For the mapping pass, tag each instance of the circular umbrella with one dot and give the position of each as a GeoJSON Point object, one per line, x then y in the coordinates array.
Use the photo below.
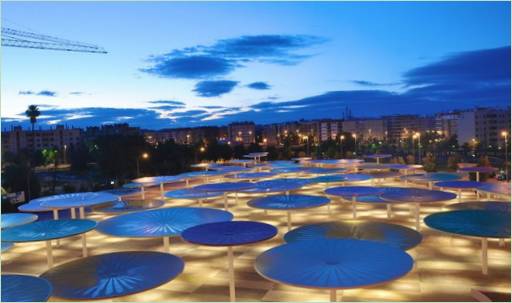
{"type": "Point", "coordinates": [113, 275]}
{"type": "Point", "coordinates": [24, 288]}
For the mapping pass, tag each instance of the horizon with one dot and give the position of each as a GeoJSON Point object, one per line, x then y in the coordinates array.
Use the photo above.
{"type": "Point", "coordinates": [304, 62]}
{"type": "Point", "coordinates": [27, 126]}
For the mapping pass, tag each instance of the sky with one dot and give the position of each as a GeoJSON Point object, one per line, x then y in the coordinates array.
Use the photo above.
{"type": "Point", "coordinates": [186, 64]}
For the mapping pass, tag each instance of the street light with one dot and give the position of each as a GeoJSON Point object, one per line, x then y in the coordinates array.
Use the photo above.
{"type": "Point", "coordinates": [342, 137]}
{"type": "Point", "coordinates": [144, 156]}
{"type": "Point", "coordinates": [504, 134]}
{"type": "Point", "coordinates": [418, 135]}
{"type": "Point", "coordinates": [355, 142]}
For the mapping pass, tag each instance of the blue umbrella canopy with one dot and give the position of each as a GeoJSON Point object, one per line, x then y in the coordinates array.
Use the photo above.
{"type": "Point", "coordinates": [333, 264]}
{"type": "Point", "coordinates": [24, 288]}
{"type": "Point", "coordinates": [417, 195]}
{"type": "Point", "coordinates": [224, 187]}
{"type": "Point", "coordinates": [484, 205]}
{"type": "Point", "coordinates": [47, 230]}
{"type": "Point", "coordinates": [387, 233]}
{"type": "Point", "coordinates": [357, 191]}
{"type": "Point", "coordinates": [286, 202]}
{"type": "Point", "coordinates": [501, 188]}
{"type": "Point", "coordinates": [473, 222]}
{"type": "Point", "coordinates": [229, 233]}
{"type": "Point", "coordinates": [277, 185]}
{"type": "Point", "coordinates": [459, 184]}
{"type": "Point", "coordinates": [191, 194]}
{"type": "Point", "coordinates": [113, 275]}
{"type": "Point", "coordinates": [131, 206]}
{"type": "Point", "coordinates": [433, 177]}
{"type": "Point", "coordinates": [162, 222]}
{"type": "Point", "coordinates": [76, 199]}
{"type": "Point", "coordinates": [322, 170]}
{"type": "Point", "coordinates": [17, 219]}
{"type": "Point", "coordinates": [253, 175]}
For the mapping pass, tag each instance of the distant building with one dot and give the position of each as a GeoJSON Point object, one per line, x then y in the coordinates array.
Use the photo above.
{"type": "Point", "coordinates": [60, 137]}
{"type": "Point", "coordinates": [401, 127]}
{"type": "Point", "coordinates": [123, 129]}
{"type": "Point", "coordinates": [329, 129]}
{"type": "Point", "coordinates": [483, 125]}
{"type": "Point", "coordinates": [447, 123]}
{"type": "Point", "coordinates": [187, 135]}
{"type": "Point", "coordinates": [366, 129]}
{"type": "Point", "coordinates": [242, 133]}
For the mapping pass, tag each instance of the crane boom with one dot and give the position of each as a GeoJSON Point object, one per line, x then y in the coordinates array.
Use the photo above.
{"type": "Point", "coordinates": [16, 38]}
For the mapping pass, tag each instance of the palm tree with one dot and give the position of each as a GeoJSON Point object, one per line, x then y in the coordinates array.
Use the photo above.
{"type": "Point", "coordinates": [32, 112]}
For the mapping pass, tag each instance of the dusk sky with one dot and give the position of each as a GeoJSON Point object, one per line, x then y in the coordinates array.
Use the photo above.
{"type": "Point", "coordinates": [191, 64]}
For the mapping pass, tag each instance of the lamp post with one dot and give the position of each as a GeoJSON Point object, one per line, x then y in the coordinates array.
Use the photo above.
{"type": "Point", "coordinates": [342, 137]}
{"type": "Point", "coordinates": [144, 156]}
{"type": "Point", "coordinates": [418, 135]}
{"type": "Point", "coordinates": [504, 134]}
{"type": "Point", "coordinates": [355, 143]}
{"type": "Point", "coordinates": [306, 140]}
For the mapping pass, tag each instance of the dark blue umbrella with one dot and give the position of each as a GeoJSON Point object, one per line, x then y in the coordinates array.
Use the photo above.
{"type": "Point", "coordinates": [113, 275]}
{"type": "Point", "coordinates": [162, 222]}
{"type": "Point", "coordinates": [392, 234]}
{"type": "Point", "coordinates": [230, 234]}
{"type": "Point", "coordinates": [473, 223]}
{"type": "Point", "coordinates": [333, 264]}
{"type": "Point", "coordinates": [483, 205]}
{"type": "Point", "coordinates": [277, 185]}
{"type": "Point", "coordinates": [288, 203]}
{"type": "Point", "coordinates": [24, 288]}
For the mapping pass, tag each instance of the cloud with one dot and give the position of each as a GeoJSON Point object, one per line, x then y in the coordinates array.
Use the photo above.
{"type": "Point", "coordinates": [168, 102]}
{"type": "Point", "coordinates": [46, 93]}
{"type": "Point", "coordinates": [190, 67]}
{"type": "Point", "coordinates": [76, 93]}
{"type": "Point", "coordinates": [259, 85]}
{"type": "Point", "coordinates": [481, 76]}
{"type": "Point", "coordinates": [214, 88]}
{"type": "Point", "coordinates": [488, 65]}
{"type": "Point", "coordinates": [224, 56]}
{"type": "Point", "coordinates": [459, 81]}
{"type": "Point", "coordinates": [373, 84]}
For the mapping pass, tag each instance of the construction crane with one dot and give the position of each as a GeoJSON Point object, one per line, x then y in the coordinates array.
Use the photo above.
{"type": "Point", "coordinates": [16, 38]}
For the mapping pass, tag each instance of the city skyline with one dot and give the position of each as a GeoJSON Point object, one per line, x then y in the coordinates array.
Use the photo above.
{"type": "Point", "coordinates": [310, 63]}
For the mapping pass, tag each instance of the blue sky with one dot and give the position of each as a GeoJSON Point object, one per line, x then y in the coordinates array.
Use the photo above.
{"type": "Point", "coordinates": [190, 64]}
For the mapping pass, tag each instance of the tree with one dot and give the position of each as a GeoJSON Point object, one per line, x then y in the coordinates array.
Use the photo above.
{"type": "Point", "coordinates": [50, 157]}
{"type": "Point", "coordinates": [17, 175]}
{"type": "Point", "coordinates": [429, 163]}
{"type": "Point", "coordinates": [32, 113]}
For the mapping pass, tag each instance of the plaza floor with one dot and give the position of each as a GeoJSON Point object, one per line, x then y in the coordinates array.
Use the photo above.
{"type": "Point", "coordinates": [446, 268]}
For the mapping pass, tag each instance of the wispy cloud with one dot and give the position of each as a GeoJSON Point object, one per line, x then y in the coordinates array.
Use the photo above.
{"type": "Point", "coordinates": [259, 85]}
{"type": "Point", "coordinates": [373, 84]}
{"type": "Point", "coordinates": [46, 93]}
{"type": "Point", "coordinates": [214, 88]}
{"type": "Point", "coordinates": [224, 56]}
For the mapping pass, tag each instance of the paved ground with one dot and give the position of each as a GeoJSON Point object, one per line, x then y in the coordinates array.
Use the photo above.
{"type": "Point", "coordinates": [446, 267]}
